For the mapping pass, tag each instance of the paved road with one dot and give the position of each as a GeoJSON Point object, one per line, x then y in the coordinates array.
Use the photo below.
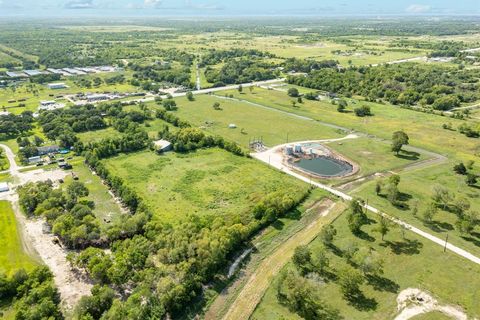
{"type": "Point", "coordinates": [274, 158]}
{"type": "Point", "coordinates": [14, 168]}
{"type": "Point", "coordinates": [212, 90]}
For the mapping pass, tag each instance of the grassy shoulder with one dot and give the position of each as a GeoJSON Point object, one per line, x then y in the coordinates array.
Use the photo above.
{"type": "Point", "coordinates": [12, 254]}
{"type": "Point", "coordinates": [409, 262]}
{"type": "Point", "coordinates": [208, 181]}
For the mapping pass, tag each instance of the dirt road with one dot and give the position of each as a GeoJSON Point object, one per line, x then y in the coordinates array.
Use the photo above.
{"type": "Point", "coordinates": [36, 242]}
{"type": "Point", "coordinates": [257, 284]}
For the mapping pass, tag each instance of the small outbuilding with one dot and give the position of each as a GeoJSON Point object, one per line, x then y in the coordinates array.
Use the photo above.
{"type": "Point", "coordinates": [48, 149]}
{"type": "Point", "coordinates": [163, 145]}
{"type": "Point", "coordinates": [59, 85]}
{"type": "Point", "coordinates": [4, 187]}
{"type": "Point", "coordinates": [232, 126]}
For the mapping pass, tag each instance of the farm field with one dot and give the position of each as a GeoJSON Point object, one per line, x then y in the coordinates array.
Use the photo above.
{"type": "Point", "coordinates": [251, 121]}
{"type": "Point", "coordinates": [409, 262]}
{"type": "Point", "coordinates": [12, 254]}
{"type": "Point", "coordinates": [206, 183]}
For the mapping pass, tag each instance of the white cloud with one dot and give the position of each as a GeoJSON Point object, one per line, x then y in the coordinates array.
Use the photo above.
{"type": "Point", "coordinates": [152, 3]}
{"type": "Point", "coordinates": [79, 4]}
{"type": "Point", "coordinates": [418, 8]}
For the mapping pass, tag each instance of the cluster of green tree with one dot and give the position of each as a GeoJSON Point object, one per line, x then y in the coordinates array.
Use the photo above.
{"type": "Point", "coordinates": [214, 56]}
{"type": "Point", "coordinates": [240, 71]}
{"type": "Point", "coordinates": [120, 78]}
{"type": "Point", "coordinates": [62, 124]}
{"type": "Point", "coordinates": [274, 206]}
{"type": "Point", "coordinates": [150, 78]}
{"type": "Point", "coordinates": [470, 130]}
{"type": "Point", "coordinates": [466, 170]}
{"type": "Point", "coordinates": [171, 118]}
{"type": "Point", "coordinates": [408, 84]}
{"type": "Point", "coordinates": [34, 294]}
{"type": "Point", "coordinates": [12, 125]}
{"type": "Point", "coordinates": [442, 198]}
{"type": "Point", "coordinates": [307, 65]}
{"type": "Point", "coordinates": [44, 78]}
{"type": "Point", "coordinates": [304, 297]}
{"type": "Point", "coordinates": [28, 148]}
{"type": "Point", "coordinates": [189, 139]}
{"type": "Point", "coordinates": [133, 139]}
{"type": "Point", "coordinates": [299, 289]}
{"type": "Point", "coordinates": [166, 264]}
{"type": "Point", "coordinates": [438, 48]}
{"type": "Point", "coordinates": [26, 62]}
{"type": "Point", "coordinates": [389, 189]}
{"type": "Point", "coordinates": [67, 212]}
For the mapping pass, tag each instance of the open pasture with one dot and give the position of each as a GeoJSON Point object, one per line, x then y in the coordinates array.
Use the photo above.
{"type": "Point", "coordinates": [251, 122]}
{"type": "Point", "coordinates": [210, 182]}
{"type": "Point", "coordinates": [12, 254]}
{"type": "Point", "coordinates": [409, 262]}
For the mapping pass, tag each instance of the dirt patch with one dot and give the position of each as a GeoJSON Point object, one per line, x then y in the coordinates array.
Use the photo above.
{"type": "Point", "coordinates": [71, 284]}
{"type": "Point", "coordinates": [413, 302]}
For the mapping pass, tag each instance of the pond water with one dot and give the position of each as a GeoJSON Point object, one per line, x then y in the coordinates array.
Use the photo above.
{"type": "Point", "coordinates": [324, 166]}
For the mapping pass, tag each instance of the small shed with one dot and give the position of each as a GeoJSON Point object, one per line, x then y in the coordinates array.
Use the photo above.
{"type": "Point", "coordinates": [4, 187]}
{"type": "Point", "coordinates": [35, 159]}
{"type": "Point", "coordinates": [163, 145]}
{"type": "Point", "coordinates": [232, 126]}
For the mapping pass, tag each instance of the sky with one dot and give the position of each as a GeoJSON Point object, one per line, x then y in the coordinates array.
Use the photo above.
{"type": "Point", "coordinates": [43, 8]}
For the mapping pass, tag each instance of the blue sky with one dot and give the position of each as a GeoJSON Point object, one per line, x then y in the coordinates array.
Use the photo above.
{"type": "Point", "coordinates": [237, 7]}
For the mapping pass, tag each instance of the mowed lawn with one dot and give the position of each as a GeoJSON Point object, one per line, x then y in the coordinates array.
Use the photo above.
{"type": "Point", "coordinates": [425, 130]}
{"type": "Point", "coordinates": [209, 181]}
{"type": "Point", "coordinates": [408, 263]}
{"type": "Point", "coordinates": [418, 188]}
{"type": "Point", "coordinates": [251, 121]}
{"type": "Point", "coordinates": [12, 255]}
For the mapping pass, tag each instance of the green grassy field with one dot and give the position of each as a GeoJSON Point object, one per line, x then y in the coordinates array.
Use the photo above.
{"type": "Point", "coordinates": [425, 130]}
{"type": "Point", "coordinates": [273, 126]}
{"type": "Point", "coordinates": [418, 188]}
{"type": "Point", "coordinates": [373, 155]}
{"type": "Point", "coordinates": [12, 254]}
{"type": "Point", "coordinates": [206, 182]}
{"type": "Point", "coordinates": [106, 209]}
{"type": "Point", "coordinates": [408, 263]}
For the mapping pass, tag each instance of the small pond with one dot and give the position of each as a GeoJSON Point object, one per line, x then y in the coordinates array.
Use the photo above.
{"type": "Point", "coordinates": [325, 166]}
